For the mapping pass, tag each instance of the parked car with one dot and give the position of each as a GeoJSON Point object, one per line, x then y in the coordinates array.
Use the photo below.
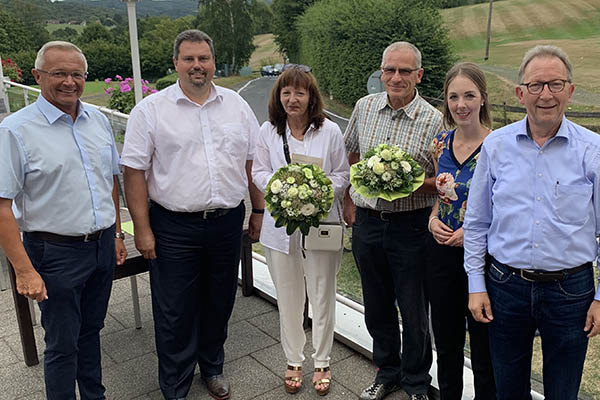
{"type": "Point", "coordinates": [278, 69]}
{"type": "Point", "coordinates": [267, 70]}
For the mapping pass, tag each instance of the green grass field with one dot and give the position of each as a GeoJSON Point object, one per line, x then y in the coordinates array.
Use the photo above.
{"type": "Point", "coordinates": [52, 27]}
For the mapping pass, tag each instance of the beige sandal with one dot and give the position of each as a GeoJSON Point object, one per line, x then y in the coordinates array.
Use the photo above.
{"type": "Point", "coordinates": [323, 382]}
{"type": "Point", "coordinates": [298, 379]}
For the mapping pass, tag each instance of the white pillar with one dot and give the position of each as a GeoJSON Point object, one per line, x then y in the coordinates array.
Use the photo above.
{"type": "Point", "coordinates": [135, 52]}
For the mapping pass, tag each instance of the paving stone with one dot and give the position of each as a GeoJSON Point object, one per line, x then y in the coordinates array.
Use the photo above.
{"type": "Point", "coordinates": [14, 341]}
{"type": "Point", "coordinates": [7, 355]}
{"type": "Point", "coordinates": [18, 381]}
{"type": "Point", "coordinates": [6, 301]}
{"type": "Point", "coordinates": [111, 325]}
{"type": "Point", "coordinates": [132, 378]}
{"type": "Point", "coordinates": [123, 312]}
{"type": "Point", "coordinates": [128, 344]}
{"type": "Point", "coordinates": [244, 339]}
{"type": "Point", "coordinates": [9, 325]}
{"type": "Point", "coordinates": [337, 391]}
{"type": "Point", "coordinates": [121, 290]}
{"type": "Point", "coordinates": [249, 307]}
{"type": "Point", "coordinates": [41, 395]}
{"type": "Point", "coordinates": [268, 323]}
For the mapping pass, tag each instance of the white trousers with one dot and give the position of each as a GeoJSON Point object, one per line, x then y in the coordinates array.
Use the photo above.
{"type": "Point", "coordinates": [289, 273]}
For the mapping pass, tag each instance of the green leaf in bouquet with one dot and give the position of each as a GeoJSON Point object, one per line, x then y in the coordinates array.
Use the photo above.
{"type": "Point", "coordinates": [291, 227]}
{"type": "Point", "coordinates": [279, 222]}
{"type": "Point", "coordinates": [304, 228]}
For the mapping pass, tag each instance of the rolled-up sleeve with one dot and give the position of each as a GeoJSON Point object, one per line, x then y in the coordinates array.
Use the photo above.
{"type": "Point", "coordinates": [12, 164]}
{"type": "Point", "coordinates": [478, 219]}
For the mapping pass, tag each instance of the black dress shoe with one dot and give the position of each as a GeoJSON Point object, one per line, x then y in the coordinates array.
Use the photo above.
{"type": "Point", "coordinates": [217, 386]}
{"type": "Point", "coordinates": [377, 391]}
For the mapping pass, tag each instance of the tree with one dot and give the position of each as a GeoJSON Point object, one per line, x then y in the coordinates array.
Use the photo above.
{"type": "Point", "coordinates": [67, 34]}
{"type": "Point", "coordinates": [262, 16]}
{"type": "Point", "coordinates": [285, 13]}
{"type": "Point", "coordinates": [94, 32]}
{"type": "Point", "coordinates": [229, 24]}
{"type": "Point", "coordinates": [343, 41]}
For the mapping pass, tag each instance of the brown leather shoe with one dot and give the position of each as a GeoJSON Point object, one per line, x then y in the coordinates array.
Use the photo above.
{"type": "Point", "coordinates": [217, 386]}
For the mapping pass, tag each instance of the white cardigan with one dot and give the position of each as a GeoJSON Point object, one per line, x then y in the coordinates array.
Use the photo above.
{"type": "Point", "coordinates": [326, 143]}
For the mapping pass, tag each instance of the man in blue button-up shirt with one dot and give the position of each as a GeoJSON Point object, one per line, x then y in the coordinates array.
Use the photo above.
{"type": "Point", "coordinates": [533, 212]}
{"type": "Point", "coordinates": [58, 163]}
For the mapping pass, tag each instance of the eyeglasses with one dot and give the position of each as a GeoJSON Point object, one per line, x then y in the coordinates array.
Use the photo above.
{"type": "Point", "coordinates": [301, 67]}
{"type": "Point", "coordinates": [63, 75]}
{"type": "Point", "coordinates": [401, 71]}
{"type": "Point", "coordinates": [554, 86]}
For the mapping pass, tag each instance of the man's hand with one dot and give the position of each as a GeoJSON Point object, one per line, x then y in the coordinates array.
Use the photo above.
{"type": "Point", "coordinates": [592, 322]}
{"type": "Point", "coordinates": [254, 225]}
{"type": "Point", "coordinates": [30, 284]}
{"type": "Point", "coordinates": [145, 243]}
{"type": "Point", "coordinates": [349, 213]}
{"type": "Point", "coordinates": [480, 306]}
{"type": "Point", "coordinates": [120, 251]}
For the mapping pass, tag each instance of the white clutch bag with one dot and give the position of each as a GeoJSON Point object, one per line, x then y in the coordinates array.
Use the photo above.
{"type": "Point", "coordinates": [328, 237]}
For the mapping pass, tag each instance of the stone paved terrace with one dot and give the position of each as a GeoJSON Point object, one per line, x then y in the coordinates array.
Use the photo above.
{"type": "Point", "coordinates": [254, 359]}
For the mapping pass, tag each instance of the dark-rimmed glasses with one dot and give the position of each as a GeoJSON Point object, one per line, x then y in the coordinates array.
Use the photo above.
{"type": "Point", "coordinates": [401, 71]}
{"type": "Point", "coordinates": [554, 86]}
{"type": "Point", "coordinates": [63, 75]}
{"type": "Point", "coordinates": [301, 67]}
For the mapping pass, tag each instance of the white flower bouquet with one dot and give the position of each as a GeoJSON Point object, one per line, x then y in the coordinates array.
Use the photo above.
{"type": "Point", "coordinates": [386, 172]}
{"type": "Point", "coordinates": [299, 196]}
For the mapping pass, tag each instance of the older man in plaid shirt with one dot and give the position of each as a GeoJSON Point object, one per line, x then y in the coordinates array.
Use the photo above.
{"type": "Point", "coordinates": [389, 238]}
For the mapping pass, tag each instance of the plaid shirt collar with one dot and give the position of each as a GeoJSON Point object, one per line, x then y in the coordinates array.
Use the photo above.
{"type": "Point", "coordinates": [410, 109]}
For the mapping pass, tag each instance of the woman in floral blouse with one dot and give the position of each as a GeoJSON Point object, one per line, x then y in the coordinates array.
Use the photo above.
{"type": "Point", "coordinates": [456, 152]}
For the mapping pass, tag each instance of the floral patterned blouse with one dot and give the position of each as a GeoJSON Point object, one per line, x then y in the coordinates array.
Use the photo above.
{"type": "Point", "coordinates": [453, 179]}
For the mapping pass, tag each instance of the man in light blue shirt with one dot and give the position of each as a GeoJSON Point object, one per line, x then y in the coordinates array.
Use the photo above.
{"type": "Point", "coordinates": [58, 163]}
{"type": "Point", "coordinates": [533, 215]}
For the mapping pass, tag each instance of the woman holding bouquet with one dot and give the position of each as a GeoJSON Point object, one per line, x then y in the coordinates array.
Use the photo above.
{"type": "Point", "coordinates": [296, 112]}
{"type": "Point", "coordinates": [455, 153]}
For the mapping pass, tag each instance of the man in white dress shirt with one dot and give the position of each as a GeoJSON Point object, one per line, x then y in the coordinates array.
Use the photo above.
{"type": "Point", "coordinates": [188, 150]}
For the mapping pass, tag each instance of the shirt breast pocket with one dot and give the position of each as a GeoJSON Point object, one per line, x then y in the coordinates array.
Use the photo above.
{"type": "Point", "coordinates": [571, 203]}
{"type": "Point", "coordinates": [235, 140]}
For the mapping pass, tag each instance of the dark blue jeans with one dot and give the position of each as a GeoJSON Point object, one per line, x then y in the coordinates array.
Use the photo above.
{"type": "Point", "coordinates": [446, 285]}
{"type": "Point", "coordinates": [78, 278]}
{"type": "Point", "coordinates": [193, 282]}
{"type": "Point", "coordinates": [558, 310]}
{"type": "Point", "coordinates": [391, 257]}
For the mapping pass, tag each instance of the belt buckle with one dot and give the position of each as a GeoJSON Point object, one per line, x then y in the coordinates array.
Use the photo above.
{"type": "Point", "coordinates": [529, 271]}
{"type": "Point", "coordinates": [206, 212]}
{"type": "Point", "coordinates": [381, 215]}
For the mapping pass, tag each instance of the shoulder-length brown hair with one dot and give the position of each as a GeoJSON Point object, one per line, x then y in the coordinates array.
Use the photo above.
{"type": "Point", "coordinates": [297, 78]}
{"type": "Point", "coordinates": [476, 75]}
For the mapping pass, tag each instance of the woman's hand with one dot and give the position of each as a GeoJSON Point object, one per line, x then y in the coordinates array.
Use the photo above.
{"type": "Point", "coordinates": [456, 239]}
{"type": "Point", "coordinates": [440, 231]}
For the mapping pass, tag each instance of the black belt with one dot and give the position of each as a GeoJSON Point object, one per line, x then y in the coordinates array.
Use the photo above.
{"type": "Point", "coordinates": [55, 237]}
{"type": "Point", "coordinates": [536, 275]}
{"type": "Point", "coordinates": [391, 215]}
{"type": "Point", "coordinates": [206, 214]}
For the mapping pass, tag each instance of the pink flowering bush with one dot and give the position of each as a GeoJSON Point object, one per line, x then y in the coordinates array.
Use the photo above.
{"type": "Point", "coordinates": [12, 70]}
{"type": "Point", "coordinates": [122, 96]}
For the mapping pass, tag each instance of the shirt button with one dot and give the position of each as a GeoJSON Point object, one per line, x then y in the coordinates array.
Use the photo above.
{"type": "Point", "coordinates": [540, 174]}
{"type": "Point", "coordinates": [537, 245]}
{"type": "Point", "coordinates": [539, 198]}
{"type": "Point", "coordinates": [541, 151]}
{"type": "Point", "coordinates": [537, 222]}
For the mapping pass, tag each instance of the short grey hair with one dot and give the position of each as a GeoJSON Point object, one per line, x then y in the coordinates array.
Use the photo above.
{"type": "Point", "coordinates": [402, 46]}
{"type": "Point", "coordinates": [192, 35]}
{"type": "Point", "coordinates": [57, 44]}
{"type": "Point", "coordinates": [546, 51]}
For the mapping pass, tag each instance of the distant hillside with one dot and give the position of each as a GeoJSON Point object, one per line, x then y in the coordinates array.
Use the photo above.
{"type": "Point", "coordinates": [172, 8]}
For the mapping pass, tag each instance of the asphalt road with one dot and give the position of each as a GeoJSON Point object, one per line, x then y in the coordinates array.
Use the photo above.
{"type": "Point", "coordinates": [257, 92]}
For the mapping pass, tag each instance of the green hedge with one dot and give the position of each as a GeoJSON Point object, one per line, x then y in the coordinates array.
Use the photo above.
{"type": "Point", "coordinates": [343, 41]}
{"type": "Point", "coordinates": [166, 81]}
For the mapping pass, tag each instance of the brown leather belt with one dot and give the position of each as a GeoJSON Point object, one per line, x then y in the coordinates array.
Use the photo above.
{"type": "Point", "coordinates": [537, 275]}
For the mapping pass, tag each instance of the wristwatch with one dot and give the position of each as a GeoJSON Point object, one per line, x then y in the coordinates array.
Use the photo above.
{"type": "Point", "coordinates": [120, 235]}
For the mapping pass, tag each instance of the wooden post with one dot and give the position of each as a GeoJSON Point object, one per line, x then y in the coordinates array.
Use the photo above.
{"type": "Point", "coordinates": [489, 33]}
{"type": "Point", "coordinates": [504, 113]}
